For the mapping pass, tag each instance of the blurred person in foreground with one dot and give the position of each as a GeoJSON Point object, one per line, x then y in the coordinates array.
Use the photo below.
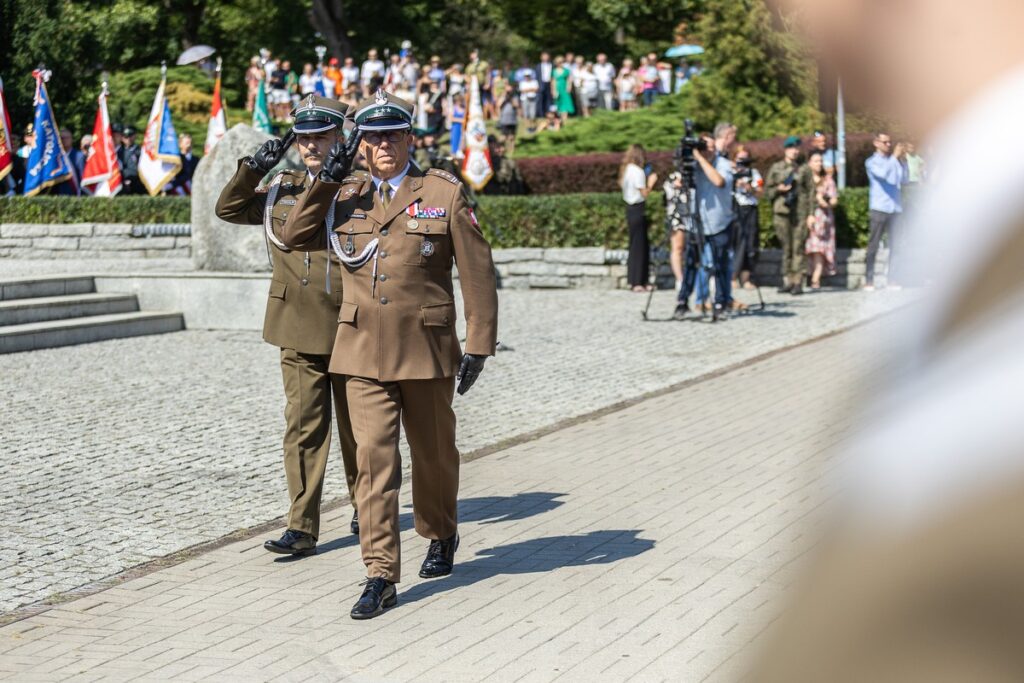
{"type": "Point", "coordinates": [922, 578]}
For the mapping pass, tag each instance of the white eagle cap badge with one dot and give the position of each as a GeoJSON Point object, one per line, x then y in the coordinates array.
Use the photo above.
{"type": "Point", "coordinates": [309, 101]}
{"type": "Point", "coordinates": [381, 97]}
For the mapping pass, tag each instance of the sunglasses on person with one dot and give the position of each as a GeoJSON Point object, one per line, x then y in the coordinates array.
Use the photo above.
{"type": "Point", "coordinates": [375, 138]}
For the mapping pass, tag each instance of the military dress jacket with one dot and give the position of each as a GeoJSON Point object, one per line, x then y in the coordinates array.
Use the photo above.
{"type": "Point", "coordinates": [397, 319]}
{"type": "Point", "coordinates": [301, 313]}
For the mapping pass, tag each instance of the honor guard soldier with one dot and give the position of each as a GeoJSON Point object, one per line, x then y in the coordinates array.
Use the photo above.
{"type": "Point", "coordinates": [398, 234]}
{"type": "Point", "coordinates": [301, 318]}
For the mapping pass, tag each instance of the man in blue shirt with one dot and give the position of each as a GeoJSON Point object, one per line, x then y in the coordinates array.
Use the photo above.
{"type": "Point", "coordinates": [714, 183]}
{"type": "Point", "coordinates": [887, 173]}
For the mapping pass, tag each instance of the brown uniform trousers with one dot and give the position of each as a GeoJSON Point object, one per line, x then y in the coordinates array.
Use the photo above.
{"type": "Point", "coordinates": [397, 343]}
{"type": "Point", "coordinates": [301, 320]}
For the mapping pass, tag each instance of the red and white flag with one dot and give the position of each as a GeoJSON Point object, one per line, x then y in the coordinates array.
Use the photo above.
{"type": "Point", "coordinates": [476, 167]}
{"type": "Point", "coordinates": [218, 121]}
{"type": "Point", "coordinates": [6, 153]}
{"type": "Point", "coordinates": [102, 175]}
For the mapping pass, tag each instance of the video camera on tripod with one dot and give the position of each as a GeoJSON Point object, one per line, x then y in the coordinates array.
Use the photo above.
{"type": "Point", "coordinates": [683, 156]}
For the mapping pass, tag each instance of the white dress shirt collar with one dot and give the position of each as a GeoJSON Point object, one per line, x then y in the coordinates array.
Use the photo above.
{"type": "Point", "coordinates": [394, 181]}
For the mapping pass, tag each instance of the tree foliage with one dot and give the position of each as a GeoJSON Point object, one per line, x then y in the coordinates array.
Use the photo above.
{"type": "Point", "coordinates": [756, 75]}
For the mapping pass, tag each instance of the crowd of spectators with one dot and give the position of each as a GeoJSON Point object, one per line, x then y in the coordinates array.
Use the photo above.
{"type": "Point", "coordinates": [543, 94]}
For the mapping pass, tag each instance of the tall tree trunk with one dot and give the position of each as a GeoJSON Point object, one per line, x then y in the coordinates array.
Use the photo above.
{"type": "Point", "coordinates": [328, 19]}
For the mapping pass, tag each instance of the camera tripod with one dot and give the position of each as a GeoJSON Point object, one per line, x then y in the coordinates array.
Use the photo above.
{"type": "Point", "coordinates": [694, 230]}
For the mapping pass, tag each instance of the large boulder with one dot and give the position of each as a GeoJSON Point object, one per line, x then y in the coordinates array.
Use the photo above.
{"type": "Point", "coordinates": [217, 245]}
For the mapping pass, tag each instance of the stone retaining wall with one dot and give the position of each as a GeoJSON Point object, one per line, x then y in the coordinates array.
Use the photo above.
{"type": "Point", "coordinates": [89, 240]}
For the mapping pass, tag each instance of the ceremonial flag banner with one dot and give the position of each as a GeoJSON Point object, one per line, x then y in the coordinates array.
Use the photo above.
{"type": "Point", "coordinates": [159, 161]}
{"type": "Point", "coordinates": [6, 152]}
{"type": "Point", "coordinates": [476, 167]}
{"type": "Point", "coordinates": [47, 164]}
{"type": "Point", "coordinates": [218, 121]}
{"type": "Point", "coordinates": [101, 169]}
{"type": "Point", "coordinates": [260, 114]}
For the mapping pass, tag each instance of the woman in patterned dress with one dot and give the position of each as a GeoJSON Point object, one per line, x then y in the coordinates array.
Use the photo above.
{"type": "Point", "coordinates": [821, 223]}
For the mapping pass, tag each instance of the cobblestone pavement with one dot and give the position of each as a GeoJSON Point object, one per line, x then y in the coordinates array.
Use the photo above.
{"type": "Point", "coordinates": [647, 544]}
{"type": "Point", "coordinates": [119, 452]}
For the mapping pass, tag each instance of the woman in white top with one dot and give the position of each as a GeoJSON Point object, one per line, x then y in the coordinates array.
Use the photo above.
{"type": "Point", "coordinates": [636, 185]}
{"type": "Point", "coordinates": [626, 84]}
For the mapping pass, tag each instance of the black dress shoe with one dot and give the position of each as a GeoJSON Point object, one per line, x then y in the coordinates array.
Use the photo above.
{"type": "Point", "coordinates": [797, 290]}
{"type": "Point", "coordinates": [785, 289]}
{"type": "Point", "coordinates": [379, 595]}
{"type": "Point", "coordinates": [440, 558]}
{"type": "Point", "coordinates": [353, 526]}
{"type": "Point", "coordinates": [682, 310]}
{"type": "Point", "coordinates": [293, 543]}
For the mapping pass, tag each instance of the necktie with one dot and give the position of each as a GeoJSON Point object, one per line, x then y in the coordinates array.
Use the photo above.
{"type": "Point", "coordinates": [385, 194]}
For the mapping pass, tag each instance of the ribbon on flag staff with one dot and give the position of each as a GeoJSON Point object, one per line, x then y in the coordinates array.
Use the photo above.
{"type": "Point", "coordinates": [101, 167]}
{"type": "Point", "coordinates": [477, 168]}
{"type": "Point", "coordinates": [47, 163]}
{"type": "Point", "coordinates": [218, 122]}
{"type": "Point", "coordinates": [159, 161]}
{"type": "Point", "coordinates": [6, 151]}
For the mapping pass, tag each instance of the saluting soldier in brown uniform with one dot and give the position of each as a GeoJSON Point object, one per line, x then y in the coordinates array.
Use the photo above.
{"type": "Point", "coordinates": [398, 234]}
{"type": "Point", "coordinates": [302, 310]}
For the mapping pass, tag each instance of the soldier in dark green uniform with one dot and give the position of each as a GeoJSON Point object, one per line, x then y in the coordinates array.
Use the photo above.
{"type": "Point", "coordinates": [302, 317]}
{"type": "Point", "coordinates": [783, 190]}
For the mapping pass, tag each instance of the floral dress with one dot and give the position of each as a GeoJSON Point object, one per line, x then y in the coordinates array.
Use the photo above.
{"type": "Point", "coordinates": [822, 237]}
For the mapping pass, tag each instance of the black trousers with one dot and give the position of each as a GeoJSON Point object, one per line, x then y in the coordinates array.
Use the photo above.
{"type": "Point", "coordinates": [639, 261]}
{"type": "Point", "coordinates": [747, 243]}
{"type": "Point", "coordinates": [880, 223]}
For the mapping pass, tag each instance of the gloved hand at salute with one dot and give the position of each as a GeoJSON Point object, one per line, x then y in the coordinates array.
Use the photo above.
{"type": "Point", "coordinates": [338, 163]}
{"type": "Point", "coordinates": [469, 370]}
{"type": "Point", "coordinates": [267, 156]}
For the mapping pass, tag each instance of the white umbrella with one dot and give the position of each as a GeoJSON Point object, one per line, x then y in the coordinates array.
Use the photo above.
{"type": "Point", "coordinates": [195, 54]}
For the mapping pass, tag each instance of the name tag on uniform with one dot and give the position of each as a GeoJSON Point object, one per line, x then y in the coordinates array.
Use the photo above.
{"type": "Point", "coordinates": [289, 202]}
{"type": "Point", "coordinates": [357, 215]}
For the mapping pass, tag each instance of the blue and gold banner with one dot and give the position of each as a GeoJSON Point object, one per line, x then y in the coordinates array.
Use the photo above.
{"type": "Point", "coordinates": [47, 164]}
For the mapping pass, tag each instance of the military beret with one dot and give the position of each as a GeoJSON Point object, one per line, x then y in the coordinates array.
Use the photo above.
{"type": "Point", "coordinates": [383, 111]}
{"type": "Point", "coordinates": [317, 114]}
{"type": "Point", "coordinates": [791, 141]}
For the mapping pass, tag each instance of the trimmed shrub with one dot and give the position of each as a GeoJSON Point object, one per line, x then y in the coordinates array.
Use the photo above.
{"type": "Point", "coordinates": [600, 172]}
{"type": "Point", "coordinates": [574, 220]}
{"type": "Point", "coordinates": [63, 209]}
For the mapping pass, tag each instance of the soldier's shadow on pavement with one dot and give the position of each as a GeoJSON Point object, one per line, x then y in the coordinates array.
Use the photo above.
{"type": "Point", "coordinates": [539, 555]}
{"type": "Point", "coordinates": [483, 509]}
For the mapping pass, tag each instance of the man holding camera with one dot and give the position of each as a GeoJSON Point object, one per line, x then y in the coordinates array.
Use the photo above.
{"type": "Point", "coordinates": [398, 234]}
{"type": "Point", "coordinates": [782, 189]}
{"type": "Point", "coordinates": [302, 310]}
{"type": "Point", "coordinates": [713, 181]}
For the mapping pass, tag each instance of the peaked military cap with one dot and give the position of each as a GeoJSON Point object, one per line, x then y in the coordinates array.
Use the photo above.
{"type": "Point", "coordinates": [317, 114]}
{"type": "Point", "coordinates": [383, 111]}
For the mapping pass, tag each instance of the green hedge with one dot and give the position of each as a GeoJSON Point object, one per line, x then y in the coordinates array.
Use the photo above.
{"type": "Point", "coordinates": [57, 209]}
{"type": "Point", "coordinates": [573, 220]}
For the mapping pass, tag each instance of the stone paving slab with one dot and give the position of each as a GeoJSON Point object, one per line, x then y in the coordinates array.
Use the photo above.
{"type": "Point", "coordinates": [120, 452]}
{"type": "Point", "coordinates": [648, 544]}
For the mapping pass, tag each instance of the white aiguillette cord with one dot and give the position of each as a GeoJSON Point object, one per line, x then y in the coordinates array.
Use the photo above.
{"type": "Point", "coordinates": [368, 252]}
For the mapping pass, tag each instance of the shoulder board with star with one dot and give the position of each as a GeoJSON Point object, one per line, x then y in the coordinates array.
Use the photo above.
{"type": "Point", "coordinates": [444, 174]}
{"type": "Point", "coordinates": [356, 177]}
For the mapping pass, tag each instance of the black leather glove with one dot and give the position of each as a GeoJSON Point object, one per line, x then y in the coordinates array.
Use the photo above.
{"type": "Point", "coordinates": [267, 156]}
{"type": "Point", "coordinates": [338, 163]}
{"type": "Point", "coordinates": [471, 367]}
